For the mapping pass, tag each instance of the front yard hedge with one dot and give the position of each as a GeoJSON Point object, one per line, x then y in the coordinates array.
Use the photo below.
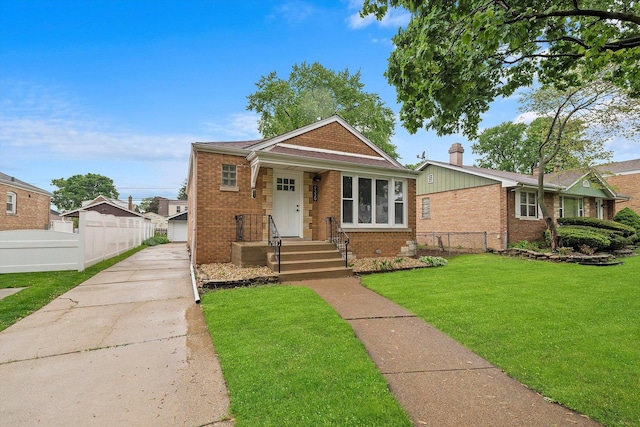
{"type": "Point", "coordinates": [623, 229]}
{"type": "Point", "coordinates": [598, 234]}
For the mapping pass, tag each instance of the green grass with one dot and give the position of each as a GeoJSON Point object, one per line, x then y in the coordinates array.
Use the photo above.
{"type": "Point", "coordinates": [43, 287]}
{"type": "Point", "coordinates": [290, 360]}
{"type": "Point", "coordinates": [571, 332]}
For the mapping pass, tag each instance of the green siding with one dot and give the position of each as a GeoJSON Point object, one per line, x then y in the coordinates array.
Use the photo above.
{"type": "Point", "coordinates": [446, 179]}
{"type": "Point", "coordinates": [594, 190]}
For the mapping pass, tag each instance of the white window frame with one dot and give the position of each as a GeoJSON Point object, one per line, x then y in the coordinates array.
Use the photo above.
{"type": "Point", "coordinates": [391, 202]}
{"type": "Point", "coordinates": [518, 205]}
{"type": "Point", "coordinates": [426, 208]}
{"type": "Point", "coordinates": [14, 199]}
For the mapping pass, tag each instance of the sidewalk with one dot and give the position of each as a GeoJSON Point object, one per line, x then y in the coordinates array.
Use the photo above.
{"type": "Point", "coordinates": [127, 347]}
{"type": "Point", "coordinates": [438, 381]}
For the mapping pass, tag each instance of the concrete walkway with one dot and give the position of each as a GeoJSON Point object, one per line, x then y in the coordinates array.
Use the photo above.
{"type": "Point", "coordinates": [127, 347]}
{"type": "Point", "coordinates": [438, 381]}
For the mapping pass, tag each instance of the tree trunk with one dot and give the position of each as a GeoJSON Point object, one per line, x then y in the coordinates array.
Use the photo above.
{"type": "Point", "coordinates": [548, 218]}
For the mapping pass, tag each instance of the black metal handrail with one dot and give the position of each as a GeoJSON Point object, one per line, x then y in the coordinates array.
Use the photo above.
{"type": "Point", "coordinates": [250, 227]}
{"type": "Point", "coordinates": [274, 240]}
{"type": "Point", "coordinates": [338, 237]}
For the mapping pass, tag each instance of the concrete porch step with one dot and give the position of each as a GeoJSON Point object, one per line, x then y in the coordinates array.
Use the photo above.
{"type": "Point", "coordinates": [305, 260]}
{"type": "Point", "coordinates": [316, 273]}
{"type": "Point", "coordinates": [288, 265]}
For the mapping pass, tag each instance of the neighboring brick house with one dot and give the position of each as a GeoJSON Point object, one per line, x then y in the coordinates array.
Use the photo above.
{"type": "Point", "coordinates": [624, 178]}
{"type": "Point", "coordinates": [27, 206]}
{"type": "Point", "coordinates": [325, 169]}
{"type": "Point", "coordinates": [453, 198]}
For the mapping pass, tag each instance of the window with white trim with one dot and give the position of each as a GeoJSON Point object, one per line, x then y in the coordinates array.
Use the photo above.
{"type": "Point", "coordinates": [11, 203]}
{"type": "Point", "coordinates": [526, 205]}
{"type": "Point", "coordinates": [229, 175]}
{"type": "Point", "coordinates": [571, 207]}
{"type": "Point", "coordinates": [426, 208]}
{"type": "Point", "coordinates": [373, 202]}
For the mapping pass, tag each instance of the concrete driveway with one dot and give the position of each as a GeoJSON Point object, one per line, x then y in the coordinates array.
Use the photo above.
{"type": "Point", "coordinates": [127, 347]}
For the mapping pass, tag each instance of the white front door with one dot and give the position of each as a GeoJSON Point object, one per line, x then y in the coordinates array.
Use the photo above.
{"type": "Point", "coordinates": [287, 205]}
{"type": "Point", "coordinates": [599, 210]}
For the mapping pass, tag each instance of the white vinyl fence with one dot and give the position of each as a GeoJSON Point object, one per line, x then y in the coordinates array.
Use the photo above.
{"type": "Point", "coordinates": [99, 237]}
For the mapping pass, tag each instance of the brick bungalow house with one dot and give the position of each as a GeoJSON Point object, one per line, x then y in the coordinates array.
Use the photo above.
{"type": "Point", "coordinates": [27, 206]}
{"type": "Point", "coordinates": [300, 179]}
{"type": "Point", "coordinates": [624, 177]}
{"type": "Point", "coordinates": [453, 198]}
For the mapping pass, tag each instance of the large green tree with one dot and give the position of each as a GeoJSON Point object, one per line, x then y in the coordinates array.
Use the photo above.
{"type": "Point", "coordinates": [74, 190]}
{"type": "Point", "coordinates": [455, 57]}
{"type": "Point", "coordinates": [604, 111]}
{"type": "Point", "coordinates": [312, 92]}
{"type": "Point", "coordinates": [513, 147]}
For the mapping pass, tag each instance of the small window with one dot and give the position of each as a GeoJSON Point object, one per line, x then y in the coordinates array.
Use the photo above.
{"type": "Point", "coordinates": [526, 205]}
{"type": "Point", "coordinates": [229, 175]}
{"type": "Point", "coordinates": [426, 208]}
{"type": "Point", "coordinates": [11, 203]}
{"type": "Point", "coordinates": [430, 178]}
{"type": "Point", "coordinates": [177, 209]}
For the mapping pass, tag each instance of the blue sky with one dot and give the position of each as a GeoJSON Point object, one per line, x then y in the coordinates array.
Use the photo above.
{"type": "Point", "coordinates": [123, 87]}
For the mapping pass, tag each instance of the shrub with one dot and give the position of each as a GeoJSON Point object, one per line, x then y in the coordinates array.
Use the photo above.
{"type": "Point", "coordinates": [156, 240]}
{"type": "Point", "coordinates": [434, 261]}
{"type": "Point", "coordinates": [623, 229]}
{"type": "Point", "coordinates": [525, 244]}
{"type": "Point", "coordinates": [628, 216]}
{"type": "Point", "coordinates": [574, 236]}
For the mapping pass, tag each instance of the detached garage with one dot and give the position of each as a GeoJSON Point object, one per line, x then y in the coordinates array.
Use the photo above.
{"type": "Point", "coordinates": [177, 227]}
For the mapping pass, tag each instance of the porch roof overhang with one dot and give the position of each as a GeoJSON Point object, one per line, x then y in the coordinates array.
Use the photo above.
{"type": "Point", "coordinates": [258, 159]}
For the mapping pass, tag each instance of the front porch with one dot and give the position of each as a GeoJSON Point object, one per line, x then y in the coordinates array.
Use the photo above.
{"type": "Point", "coordinates": [258, 243]}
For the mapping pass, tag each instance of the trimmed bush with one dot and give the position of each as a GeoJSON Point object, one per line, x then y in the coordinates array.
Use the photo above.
{"type": "Point", "coordinates": [628, 216]}
{"type": "Point", "coordinates": [624, 229]}
{"type": "Point", "coordinates": [575, 236]}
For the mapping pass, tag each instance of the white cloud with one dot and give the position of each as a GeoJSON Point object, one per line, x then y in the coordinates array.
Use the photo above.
{"type": "Point", "coordinates": [235, 127]}
{"type": "Point", "coordinates": [526, 117]}
{"type": "Point", "coordinates": [394, 18]}
{"type": "Point", "coordinates": [294, 12]}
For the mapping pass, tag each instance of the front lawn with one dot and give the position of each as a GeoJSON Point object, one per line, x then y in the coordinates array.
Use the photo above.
{"type": "Point", "coordinates": [290, 360]}
{"type": "Point", "coordinates": [572, 332]}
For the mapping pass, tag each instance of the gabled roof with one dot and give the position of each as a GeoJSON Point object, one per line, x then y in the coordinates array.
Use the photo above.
{"type": "Point", "coordinates": [15, 182]}
{"type": "Point", "coordinates": [277, 149]}
{"type": "Point", "coordinates": [94, 207]}
{"type": "Point", "coordinates": [620, 168]}
{"type": "Point", "coordinates": [558, 181]}
{"type": "Point", "coordinates": [180, 216]}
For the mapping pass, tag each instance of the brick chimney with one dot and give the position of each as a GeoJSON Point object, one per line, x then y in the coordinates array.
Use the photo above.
{"type": "Point", "coordinates": [455, 154]}
{"type": "Point", "coordinates": [130, 203]}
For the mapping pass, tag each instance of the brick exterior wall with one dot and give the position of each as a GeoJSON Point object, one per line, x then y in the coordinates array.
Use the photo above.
{"type": "Point", "coordinates": [527, 229]}
{"type": "Point", "coordinates": [32, 210]}
{"type": "Point", "coordinates": [628, 185]}
{"type": "Point", "coordinates": [471, 210]}
{"type": "Point", "coordinates": [333, 137]}
{"type": "Point", "coordinates": [216, 209]}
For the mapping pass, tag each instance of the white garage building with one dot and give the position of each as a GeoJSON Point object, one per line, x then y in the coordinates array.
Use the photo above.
{"type": "Point", "coordinates": [177, 227]}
